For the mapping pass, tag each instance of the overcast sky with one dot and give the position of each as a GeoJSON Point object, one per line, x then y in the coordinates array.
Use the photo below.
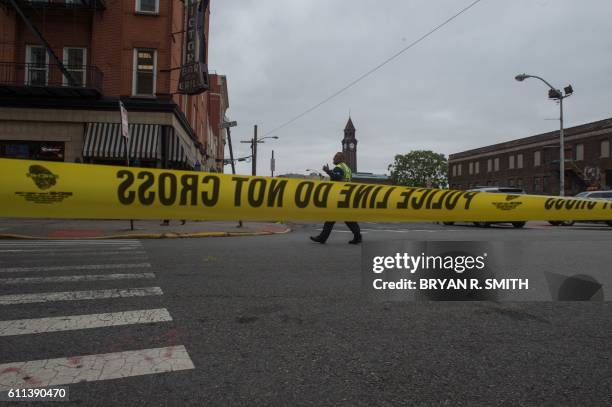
{"type": "Point", "coordinates": [452, 92]}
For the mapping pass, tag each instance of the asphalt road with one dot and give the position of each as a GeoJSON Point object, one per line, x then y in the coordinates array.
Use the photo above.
{"type": "Point", "coordinates": [279, 320]}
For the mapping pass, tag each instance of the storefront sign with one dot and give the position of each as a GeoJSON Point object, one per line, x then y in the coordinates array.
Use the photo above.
{"type": "Point", "coordinates": [194, 72]}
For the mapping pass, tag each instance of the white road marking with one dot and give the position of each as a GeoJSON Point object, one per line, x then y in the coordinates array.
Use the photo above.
{"type": "Point", "coordinates": [79, 295]}
{"type": "Point", "coordinates": [72, 241]}
{"type": "Point", "coordinates": [70, 279]}
{"type": "Point", "coordinates": [62, 371]}
{"type": "Point", "coordinates": [75, 322]}
{"type": "Point", "coordinates": [69, 252]}
{"type": "Point", "coordinates": [76, 267]}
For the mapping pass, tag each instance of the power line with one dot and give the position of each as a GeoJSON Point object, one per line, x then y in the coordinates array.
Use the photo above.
{"type": "Point", "coordinates": [377, 67]}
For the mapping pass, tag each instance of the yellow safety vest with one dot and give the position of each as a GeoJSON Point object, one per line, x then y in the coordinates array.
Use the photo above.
{"type": "Point", "coordinates": [347, 171]}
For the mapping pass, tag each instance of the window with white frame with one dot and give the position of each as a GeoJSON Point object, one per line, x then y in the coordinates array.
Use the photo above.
{"type": "Point", "coordinates": [496, 164]}
{"type": "Point", "coordinates": [489, 165]}
{"type": "Point", "coordinates": [75, 61]}
{"type": "Point", "coordinates": [477, 167]}
{"type": "Point", "coordinates": [605, 149]}
{"type": "Point", "coordinates": [471, 168]}
{"type": "Point", "coordinates": [37, 62]}
{"type": "Point", "coordinates": [511, 162]}
{"type": "Point", "coordinates": [147, 6]}
{"type": "Point", "coordinates": [537, 158]}
{"type": "Point", "coordinates": [145, 66]}
{"type": "Point", "coordinates": [579, 152]}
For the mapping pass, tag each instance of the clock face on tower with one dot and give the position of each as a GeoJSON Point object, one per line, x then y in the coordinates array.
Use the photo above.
{"type": "Point", "coordinates": [352, 146]}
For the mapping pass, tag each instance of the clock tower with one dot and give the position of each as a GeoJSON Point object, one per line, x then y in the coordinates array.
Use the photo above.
{"type": "Point", "coordinates": [349, 145]}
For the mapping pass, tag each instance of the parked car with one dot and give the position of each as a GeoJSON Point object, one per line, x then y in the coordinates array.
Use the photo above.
{"type": "Point", "coordinates": [607, 195]}
{"type": "Point", "coordinates": [497, 190]}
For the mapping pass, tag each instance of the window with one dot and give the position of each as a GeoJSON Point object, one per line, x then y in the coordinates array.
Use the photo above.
{"type": "Point", "coordinates": [496, 164]}
{"type": "Point", "coordinates": [144, 72]}
{"type": "Point", "coordinates": [605, 149]}
{"type": "Point", "coordinates": [489, 165]}
{"type": "Point", "coordinates": [536, 184]}
{"type": "Point", "coordinates": [147, 6]}
{"type": "Point", "coordinates": [37, 60]}
{"type": "Point", "coordinates": [510, 182]}
{"type": "Point", "coordinates": [537, 159]}
{"type": "Point", "coordinates": [546, 183]}
{"type": "Point", "coordinates": [471, 168]}
{"type": "Point", "coordinates": [511, 162]}
{"type": "Point", "coordinates": [75, 60]}
{"type": "Point", "coordinates": [519, 183]}
{"type": "Point", "coordinates": [579, 152]}
{"type": "Point", "coordinates": [519, 161]}
{"type": "Point", "coordinates": [454, 170]}
{"type": "Point", "coordinates": [477, 167]}
{"type": "Point", "coordinates": [459, 169]}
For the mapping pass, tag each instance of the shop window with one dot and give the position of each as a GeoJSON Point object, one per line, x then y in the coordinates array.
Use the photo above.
{"type": "Point", "coordinates": [37, 62]}
{"type": "Point", "coordinates": [144, 72]}
{"type": "Point", "coordinates": [605, 149]}
{"type": "Point", "coordinates": [75, 60]}
{"type": "Point", "coordinates": [546, 184]}
{"type": "Point", "coordinates": [511, 182]}
{"type": "Point", "coordinates": [519, 183]}
{"type": "Point", "coordinates": [147, 6]}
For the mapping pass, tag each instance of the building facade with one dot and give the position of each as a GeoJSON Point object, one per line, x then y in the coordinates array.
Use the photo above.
{"type": "Point", "coordinates": [532, 163]}
{"type": "Point", "coordinates": [66, 64]}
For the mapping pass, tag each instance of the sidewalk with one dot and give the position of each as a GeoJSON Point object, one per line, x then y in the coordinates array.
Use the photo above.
{"type": "Point", "coordinates": [13, 228]}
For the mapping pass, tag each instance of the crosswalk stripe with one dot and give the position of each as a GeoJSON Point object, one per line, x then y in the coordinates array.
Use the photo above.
{"type": "Point", "coordinates": [76, 267]}
{"type": "Point", "coordinates": [70, 241]}
{"type": "Point", "coordinates": [78, 295]}
{"type": "Point", "coordinates": [62, 371]}
{"type": "Point", "coordinates": [70, 279]}
{"type": "Point", "coordinates": [64, 252]}
{"type": "Point", "coordinates": [75, 322]}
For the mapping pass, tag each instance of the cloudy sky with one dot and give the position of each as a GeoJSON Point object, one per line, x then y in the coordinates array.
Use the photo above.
{"type": "Point", "coordinates": [453, 91]}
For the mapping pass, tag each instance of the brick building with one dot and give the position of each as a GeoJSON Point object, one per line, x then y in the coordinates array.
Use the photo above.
{"type": "Point", "coordinates": [65, 64]}
{"type": "Point", "coordinates": [532, 163]}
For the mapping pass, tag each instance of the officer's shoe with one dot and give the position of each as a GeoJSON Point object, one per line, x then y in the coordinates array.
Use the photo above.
{"type": "Point", "coordinates": [317, 239]}
{"type": "Point", "coordinates": [356, 240]}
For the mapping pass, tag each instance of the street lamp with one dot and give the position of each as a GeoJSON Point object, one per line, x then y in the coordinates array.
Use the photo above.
{"type": "Point", "coordinates": [554, 93]}
{"type": "Point", "coordinates": [253, 142]}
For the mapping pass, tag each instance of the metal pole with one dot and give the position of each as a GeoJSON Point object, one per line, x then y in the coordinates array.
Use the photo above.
{"type": "Point", "coordinates": [272, 164]}
{"type": "Point", "coordinates": [127, 161]}
{"type": "Point", "coordinates": [231, 151]}
{"type": "Point", "coordinates": [254, 147]}
{"type": "Point", "coordinates": [562, 152]}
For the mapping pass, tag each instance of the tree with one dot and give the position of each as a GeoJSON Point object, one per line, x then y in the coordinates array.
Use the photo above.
{"type": "Point", "coordinates": [420, 168]}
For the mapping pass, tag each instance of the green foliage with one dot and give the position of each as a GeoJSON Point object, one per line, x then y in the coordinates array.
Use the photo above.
{"type": "Point", "coordinates": [420, 168]}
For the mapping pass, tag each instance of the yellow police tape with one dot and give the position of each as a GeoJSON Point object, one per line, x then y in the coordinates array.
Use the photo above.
{"type": "Point", "coordinates": [63, 190]}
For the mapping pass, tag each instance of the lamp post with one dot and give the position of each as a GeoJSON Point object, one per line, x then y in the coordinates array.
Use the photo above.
{"type": "Point", "coordinates": [554, 93]}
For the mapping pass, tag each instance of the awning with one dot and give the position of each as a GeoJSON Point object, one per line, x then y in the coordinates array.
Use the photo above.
{"type": "Point", "coordinates": [104, 140]}
{"type": "Point", "coordinates": [180, 150]}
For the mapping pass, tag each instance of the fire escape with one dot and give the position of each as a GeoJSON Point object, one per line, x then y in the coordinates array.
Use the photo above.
{"type": "Point", "coordinates": [50, 77]}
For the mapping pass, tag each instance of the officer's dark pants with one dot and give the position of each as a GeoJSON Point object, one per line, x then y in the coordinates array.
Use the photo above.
{"type": "Point", "coordinates": [328, 226]}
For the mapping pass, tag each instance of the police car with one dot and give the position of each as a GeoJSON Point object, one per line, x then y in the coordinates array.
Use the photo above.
{"type": "Point", "coordinates": [607, 195]}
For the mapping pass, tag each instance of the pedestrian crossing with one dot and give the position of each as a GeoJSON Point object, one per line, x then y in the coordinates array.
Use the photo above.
{"type": "Point", "coordinates": [25, 282]}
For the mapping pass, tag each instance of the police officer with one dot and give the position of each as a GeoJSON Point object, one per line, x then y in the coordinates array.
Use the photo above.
{"type": "Point", "coordinates": [341, 172]}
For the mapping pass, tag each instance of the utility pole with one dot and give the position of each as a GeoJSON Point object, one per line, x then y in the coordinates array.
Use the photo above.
{"type": "Point", "coordinates": [254, 151]}
{"type": "Point", "coordinates": [272, 164]}
{"type": "Point", "coordinates": [228, 126]}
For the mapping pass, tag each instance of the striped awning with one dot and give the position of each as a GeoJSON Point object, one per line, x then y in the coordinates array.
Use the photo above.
{"type": "Point", "coordinates": [104, 140]}
{"type": "Point", "coordinates": [181, 151]}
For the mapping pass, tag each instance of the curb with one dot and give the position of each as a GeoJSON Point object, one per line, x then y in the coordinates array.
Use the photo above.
{"type": "Point", "coordinates": [167, 235]}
